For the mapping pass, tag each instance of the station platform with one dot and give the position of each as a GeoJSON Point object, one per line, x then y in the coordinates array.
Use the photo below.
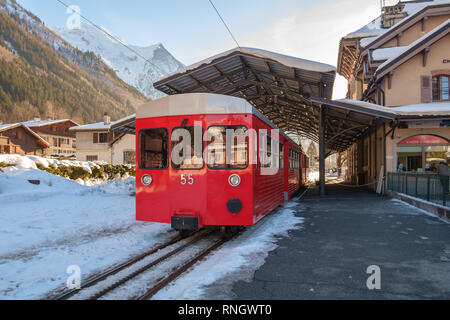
{"type": "Point", "coordinates": [343, 234]}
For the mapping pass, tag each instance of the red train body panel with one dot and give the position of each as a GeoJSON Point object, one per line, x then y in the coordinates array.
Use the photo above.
{"type": "Point", "coordinates": [205, 194]}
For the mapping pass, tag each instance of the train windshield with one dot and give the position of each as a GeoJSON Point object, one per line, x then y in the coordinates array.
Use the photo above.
{"type": "Point", "coordinates": [153, 149]}
{"type": "Point", "coordinates": [187, 148]}
{"type": "Point", "coordinates": [227, 147]}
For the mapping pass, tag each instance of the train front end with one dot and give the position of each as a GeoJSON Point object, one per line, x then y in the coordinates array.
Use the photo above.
{"type": "Point", "coordinates": [193, 170]}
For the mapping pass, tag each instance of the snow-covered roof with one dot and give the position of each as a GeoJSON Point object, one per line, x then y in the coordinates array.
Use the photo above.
{"type": "Point", "coordinates": [371, 30]}
{"type": "Point", "coordinates": [397, 53]}
{"type": "Point", "coordinates": [366, 41]}
{"type": "Point", "coordinates": [100, 126]}
{"type": "Point", "coordinates": [384, 54]}
{"type": "Point", "coordinates": [374, 29]}
{"type": "Point", "coordinates": [420, 110]}
{"type": "Point", "coordinates": [288, 61]}
{"type": "Point", "coordinates": [45, 122]}
{"type": "Point", "coordinates": [4, 127]}
{"type": "Point", "coordinates": [436, 108]}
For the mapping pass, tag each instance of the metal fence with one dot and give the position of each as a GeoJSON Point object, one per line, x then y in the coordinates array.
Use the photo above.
{"type": "Point", "coordinates": [429, 187]}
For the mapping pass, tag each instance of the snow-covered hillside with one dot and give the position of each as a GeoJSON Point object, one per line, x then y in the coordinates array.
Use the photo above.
{"type": "Point", "coordinates": [129, 66]}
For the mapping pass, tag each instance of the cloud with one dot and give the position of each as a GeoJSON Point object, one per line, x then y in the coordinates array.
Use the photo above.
{"type": "Point", "coordinates": [315, 33]}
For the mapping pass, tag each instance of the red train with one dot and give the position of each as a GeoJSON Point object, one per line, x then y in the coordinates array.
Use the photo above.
{"type": "Point", "coordinates": [211, 160]}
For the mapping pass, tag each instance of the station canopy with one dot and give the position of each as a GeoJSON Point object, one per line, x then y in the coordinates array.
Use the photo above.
{"type": "Point", "coordinates": [277, 85]}
{"type": "Point", "coordinates": [295, 94]}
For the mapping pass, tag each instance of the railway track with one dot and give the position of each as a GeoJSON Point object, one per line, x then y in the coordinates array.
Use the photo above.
{"type": "Point", "coordinates": [197, 246]}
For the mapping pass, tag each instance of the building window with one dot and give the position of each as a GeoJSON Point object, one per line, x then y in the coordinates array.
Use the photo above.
{"type": "Point", "coordinates": [100, 137]}
{"type": "Point", "coordinates": [422, 153]}
{"type": "Point", "coordinates": [129, 157]}
{"type": "Point", "coordinates": [91, 158]}
{"type": "Point", "coordinates": [441, 88]}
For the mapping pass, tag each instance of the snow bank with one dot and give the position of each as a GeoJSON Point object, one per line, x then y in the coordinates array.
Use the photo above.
{"type": "Point", "coordinates": [17, 160]}
{"type": "Point", "coordinates": [30, 162]}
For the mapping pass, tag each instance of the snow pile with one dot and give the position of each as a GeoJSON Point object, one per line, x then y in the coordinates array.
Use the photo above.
{"type": "Point", "coordinates": [120, 185]}
{"type": "Point", "coordinates": [15, 185]}
{"type": "Point", "coordinates": [32, 162]}
{"type": "Point", "coordinates": [16, 160]}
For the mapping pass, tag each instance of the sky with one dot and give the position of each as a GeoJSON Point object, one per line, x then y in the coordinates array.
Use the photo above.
{"type": "Point", "coordinates": [192, 31]}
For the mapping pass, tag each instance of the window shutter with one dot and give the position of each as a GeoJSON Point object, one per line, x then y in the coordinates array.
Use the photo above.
{"type": "Point", "coordinates": [95, 137]}
{"type": "Point", "coordinates": [425, 89]}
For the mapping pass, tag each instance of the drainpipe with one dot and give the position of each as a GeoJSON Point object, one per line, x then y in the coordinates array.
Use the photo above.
{"type": "Point", "coordinates": [383, 99]}
{"type": "Point", "coordinates": [384, 158]}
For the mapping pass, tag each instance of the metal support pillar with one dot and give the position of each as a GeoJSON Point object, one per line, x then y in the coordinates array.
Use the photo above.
{"type": "Point", "coordinates": [322, 145]}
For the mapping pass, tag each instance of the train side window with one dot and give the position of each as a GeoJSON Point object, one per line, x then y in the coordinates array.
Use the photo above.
{"type": "Point", "coordinates": [227, 147]}
{"type": "Point", "coordinates": [189, 139]}
{"type": "Point", "coordinates": [267, 153]}
{"type": "Point", "coordinates": [154, 149]}
{"type": "Point", "coordinates": [281, 156]}
{"type": "Point", "coordinates": [269, 157]}
{"type": "Point", "coordinates": [290, 158]}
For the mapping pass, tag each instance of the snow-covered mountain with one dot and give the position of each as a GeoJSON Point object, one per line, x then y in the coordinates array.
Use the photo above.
{"type": "Point", "coordinates": [128, 65]}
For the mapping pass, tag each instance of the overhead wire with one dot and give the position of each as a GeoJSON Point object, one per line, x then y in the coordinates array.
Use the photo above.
{"type": "Point", "coordinates": [224, 23]}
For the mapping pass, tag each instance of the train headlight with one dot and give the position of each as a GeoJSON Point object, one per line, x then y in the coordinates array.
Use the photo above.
{"type": "Point", "coordinates": [234, 180]}
{"type": "Point", "coordinates": [147, 180]}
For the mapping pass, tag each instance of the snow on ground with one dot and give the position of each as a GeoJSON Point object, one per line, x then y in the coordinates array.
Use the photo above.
{"type": "Point", "coordinates": [59, 223]}
{"type": "Point", "coordinates": [48, 227]}
{"type": "Point", "coordinates": [236, 260]}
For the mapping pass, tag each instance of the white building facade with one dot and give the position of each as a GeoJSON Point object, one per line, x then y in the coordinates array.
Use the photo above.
{"type": "Point", "coordinates": [96, 142]}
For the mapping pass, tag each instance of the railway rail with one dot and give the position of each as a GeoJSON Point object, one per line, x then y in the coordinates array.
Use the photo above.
{"type": "Point", "coordinates": [130, 274]}
{"type": "Point", "coordinates": [94, 279]}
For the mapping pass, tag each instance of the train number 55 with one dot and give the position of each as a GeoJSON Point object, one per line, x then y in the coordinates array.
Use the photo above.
{"type": "Point", "coordinates": [187, 179]}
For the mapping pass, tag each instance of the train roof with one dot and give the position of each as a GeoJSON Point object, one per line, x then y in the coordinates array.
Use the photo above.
{"type": "Point", "coordinates": [201, 103]}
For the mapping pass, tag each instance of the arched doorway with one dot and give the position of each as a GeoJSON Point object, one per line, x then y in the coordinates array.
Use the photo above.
{"type": "Point", "coordinates": [422, 153]}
